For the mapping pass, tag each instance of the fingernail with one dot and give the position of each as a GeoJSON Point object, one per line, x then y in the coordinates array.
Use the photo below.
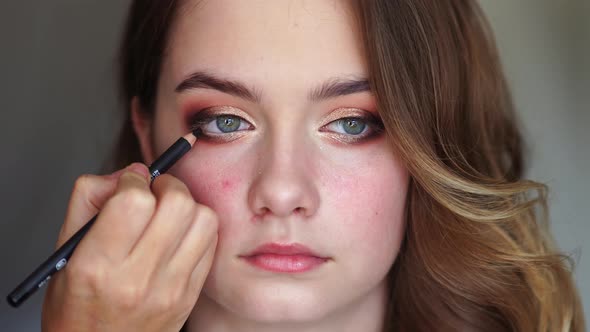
{"type": "Point", "coordinates": [138, 168]}
{"type": "Point", "coordinates": [116, 174]}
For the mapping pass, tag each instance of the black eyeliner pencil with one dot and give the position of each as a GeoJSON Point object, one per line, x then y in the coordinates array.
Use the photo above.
{"type": "Point", "coordinates": [60, 257]}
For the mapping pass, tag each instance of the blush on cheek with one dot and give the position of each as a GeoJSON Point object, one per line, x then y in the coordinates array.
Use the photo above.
{"type": "Point", "coordinates": [371, 204]}
{"type": "Point", "coordinates": [213, 189]}
{"type": "Point", "coordinates": [210, 189]}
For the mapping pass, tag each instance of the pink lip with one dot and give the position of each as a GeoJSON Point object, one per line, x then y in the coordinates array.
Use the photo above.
{"type": "Point", "coordinates": [286, 258]}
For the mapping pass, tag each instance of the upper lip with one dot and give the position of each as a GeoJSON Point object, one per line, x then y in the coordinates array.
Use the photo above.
{"type": "Point", "coordinates": [283, 249]}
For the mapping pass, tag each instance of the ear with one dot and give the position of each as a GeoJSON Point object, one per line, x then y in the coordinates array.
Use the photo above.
{"type": "Point", "coordinates": [142, 125]}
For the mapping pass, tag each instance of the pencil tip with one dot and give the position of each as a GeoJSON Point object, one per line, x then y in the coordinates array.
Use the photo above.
{"type": "Point", "coordinates": [191, 138]}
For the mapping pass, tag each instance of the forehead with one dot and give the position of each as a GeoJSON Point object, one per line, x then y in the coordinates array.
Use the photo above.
{"type": "Point", "coordinates": [265, 39]}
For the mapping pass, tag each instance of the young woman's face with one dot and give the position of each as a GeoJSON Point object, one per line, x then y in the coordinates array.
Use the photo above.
{"type": "Point", "coordinates": [292, 152]}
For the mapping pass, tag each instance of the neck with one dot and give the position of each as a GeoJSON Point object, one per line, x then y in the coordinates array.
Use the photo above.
{"type": "Point", "coordinates": [364, 314]}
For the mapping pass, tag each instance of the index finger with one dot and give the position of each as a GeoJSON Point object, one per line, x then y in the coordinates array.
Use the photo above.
{"type": "Point", "coordinates": [88, 196]}
{"type": "Point", "coordinates": [124, 216]}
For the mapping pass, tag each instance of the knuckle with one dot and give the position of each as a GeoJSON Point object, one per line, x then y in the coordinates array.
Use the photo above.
{"type": "Point", "coordinates": [85, 274]}
{"type": "Point", "coordinates": [208, 217]}
{"type": "Point", "coordinates": [206, 212]}
{"type": "Point", "coordinates": [172, 300]}
{"type": "Point", "coordinates": [135, 198]}
{"type": "Point", "coordinates": [176, 197]}
{"type": "Point", "coordinates": [178, 200]}
{"type": "Point", "coordinates": [128, 295]}
{"type": "Point", "coordinates": [83, 183]}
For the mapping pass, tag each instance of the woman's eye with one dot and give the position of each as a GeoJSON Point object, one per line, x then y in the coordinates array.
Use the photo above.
{"type": "Point", "coordinates": [349, 126]}
{"type": "Point", "coordinates": [355, 128]}
{"type": "Point", "coordinates": [227, 124]}
{"type": "Point", "coordinates": [221, 124]}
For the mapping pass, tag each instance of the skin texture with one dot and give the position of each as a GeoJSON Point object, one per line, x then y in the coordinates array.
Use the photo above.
{"type": "Point", "coordinates": [290, 175]}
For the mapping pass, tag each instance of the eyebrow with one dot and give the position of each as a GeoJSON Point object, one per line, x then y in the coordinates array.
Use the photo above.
{"type": "Point", "coordinates": [337, 87]}
{"type": "Point", "coordinates": [208, 81]}
{"type": "Point", "coordinates": [331, 88]}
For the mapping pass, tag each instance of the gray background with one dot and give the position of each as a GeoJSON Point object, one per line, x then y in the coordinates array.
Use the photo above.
{"type": "Point", "coordinates": [59, 114]}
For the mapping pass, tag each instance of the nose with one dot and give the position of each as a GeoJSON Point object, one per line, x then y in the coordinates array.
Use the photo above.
{"type": "Point", "coordinates": [285, 183]}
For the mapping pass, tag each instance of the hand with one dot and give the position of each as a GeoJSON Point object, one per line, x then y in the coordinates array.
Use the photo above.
{"type": "Point", "coordinates": [143, 263]}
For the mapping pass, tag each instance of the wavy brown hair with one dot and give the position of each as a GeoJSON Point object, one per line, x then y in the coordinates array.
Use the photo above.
{"type": "Point", "coordinates": [477, 253]}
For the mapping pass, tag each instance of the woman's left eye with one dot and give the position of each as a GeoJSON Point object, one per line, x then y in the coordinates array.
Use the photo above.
{"type": "Point", "coordinates": [354, 129]}
{"type": "Point", "coordinates": [349, 126]}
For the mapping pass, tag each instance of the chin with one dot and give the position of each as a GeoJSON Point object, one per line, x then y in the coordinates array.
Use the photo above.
{"type": "Point", "coordinates": [269, 301]}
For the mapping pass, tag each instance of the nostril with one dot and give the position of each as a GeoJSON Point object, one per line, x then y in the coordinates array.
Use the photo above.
{"type": "Point", "coordinates": [264, 211]}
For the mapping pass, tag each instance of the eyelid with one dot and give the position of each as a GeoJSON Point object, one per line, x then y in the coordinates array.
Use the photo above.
{"type": "Point", "coordinates": [205, 115]}
{"type": "Point", "coordinates": [220, 110]}
{"type": "Point", "coordinates": [349, 112]}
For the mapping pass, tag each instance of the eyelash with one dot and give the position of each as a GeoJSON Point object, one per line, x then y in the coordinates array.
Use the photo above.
{"type": "Point", "coordinates": [207, 116]}
{"type": "Point", "coordinates": [374, 127]}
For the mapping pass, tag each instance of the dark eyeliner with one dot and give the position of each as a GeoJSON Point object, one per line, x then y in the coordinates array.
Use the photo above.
{"type": "Point", "coordinates": [205, 116]}
{"type": "Point", "coordinates": [373, 122]}
{"type": "Point", "coordinates": [201, 118]}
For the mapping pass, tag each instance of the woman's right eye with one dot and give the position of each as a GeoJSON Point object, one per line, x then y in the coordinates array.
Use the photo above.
{"type": "Point", "coordinates": [226, 123]}
{"type": "Point", "coordinates": [219, 125]}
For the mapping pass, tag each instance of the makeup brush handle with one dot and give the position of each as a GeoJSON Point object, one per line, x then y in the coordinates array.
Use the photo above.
{"type": "Point", "coordinates": [43, 273]}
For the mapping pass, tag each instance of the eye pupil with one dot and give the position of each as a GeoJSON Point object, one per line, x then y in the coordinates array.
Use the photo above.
{"type": "Point", "coordinates": [228, 123]}
{"type": "Point", "coordinates": [353, 126]}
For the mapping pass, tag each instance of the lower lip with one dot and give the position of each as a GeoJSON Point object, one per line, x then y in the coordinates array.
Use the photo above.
{"type": "Point", "coordinates": [285, 263]}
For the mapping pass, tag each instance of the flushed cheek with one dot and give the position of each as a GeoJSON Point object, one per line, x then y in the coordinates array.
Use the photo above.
{"type": "Point", "coordinates": [217, 183]}
{"type": "Point", "coordinates": [211, 185]}
{"type": "Point", "coordinates": [367, 209]}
